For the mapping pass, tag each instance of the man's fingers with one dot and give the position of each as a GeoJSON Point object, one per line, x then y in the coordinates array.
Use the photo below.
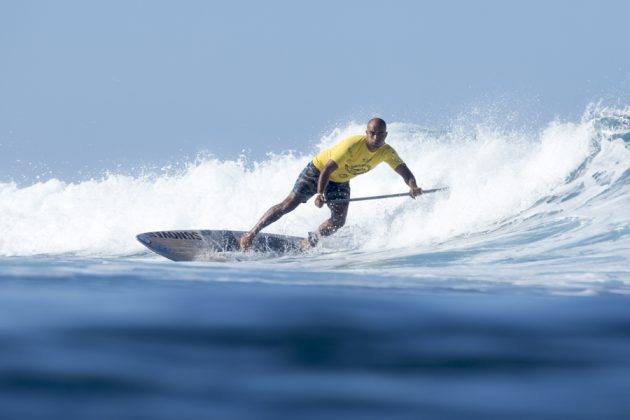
{"type": "Point", "coordinates": [414, 192]}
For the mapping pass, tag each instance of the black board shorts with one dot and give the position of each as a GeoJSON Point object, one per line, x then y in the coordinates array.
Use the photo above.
{"type": "Point", "coordinates": [306, 186]}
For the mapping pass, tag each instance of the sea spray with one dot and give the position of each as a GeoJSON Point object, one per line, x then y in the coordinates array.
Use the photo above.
{"type": "Point", "coordinates": [499, 180]}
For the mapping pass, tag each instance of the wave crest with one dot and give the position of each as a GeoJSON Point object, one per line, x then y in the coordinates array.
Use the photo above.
{"type": "Point", "coordinates": [502, 184]}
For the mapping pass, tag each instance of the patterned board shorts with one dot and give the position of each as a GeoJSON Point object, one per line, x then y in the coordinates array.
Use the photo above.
{"type": "Point", "coordinates": [306, 186]}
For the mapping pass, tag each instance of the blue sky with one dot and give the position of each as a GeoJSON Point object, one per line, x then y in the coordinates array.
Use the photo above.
{"type": "Point", "coordinates": [86, 86]}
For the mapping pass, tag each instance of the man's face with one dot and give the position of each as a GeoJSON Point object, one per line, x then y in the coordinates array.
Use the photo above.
{"type": "Point", "coordinates": [376, 134]}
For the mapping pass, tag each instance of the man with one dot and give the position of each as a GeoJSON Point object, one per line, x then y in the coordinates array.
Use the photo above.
{"type": "Point", "coordinates": [328, 175]}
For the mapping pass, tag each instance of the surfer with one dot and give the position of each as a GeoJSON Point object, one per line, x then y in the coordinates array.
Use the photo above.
{"type": "Point", "coordinates": [327, 177]}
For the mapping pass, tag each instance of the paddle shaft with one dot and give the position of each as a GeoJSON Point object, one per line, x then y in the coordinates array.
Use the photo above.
{"type": "Point", "coordinates": [378, 197]}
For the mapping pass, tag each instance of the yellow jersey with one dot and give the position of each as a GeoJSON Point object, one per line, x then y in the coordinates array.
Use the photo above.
{"type": "Point", "coordinates": [354, 158]}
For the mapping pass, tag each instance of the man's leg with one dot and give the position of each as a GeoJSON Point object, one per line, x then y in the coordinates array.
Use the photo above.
{"type": "Point", "coordinates": [273, 214]}
{"type": "Point", "coordinates": [338, 214]}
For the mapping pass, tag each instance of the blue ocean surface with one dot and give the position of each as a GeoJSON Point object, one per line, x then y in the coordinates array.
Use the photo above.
{"type": "Point", "coordinates": [505, 297]}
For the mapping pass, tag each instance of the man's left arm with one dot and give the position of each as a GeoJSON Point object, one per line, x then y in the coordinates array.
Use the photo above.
{"type": "Point", "coordinates": [410, 180]}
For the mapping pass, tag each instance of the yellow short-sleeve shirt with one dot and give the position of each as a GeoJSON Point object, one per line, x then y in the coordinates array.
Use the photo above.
{"type": "Point", "coordinates": [354, 158]}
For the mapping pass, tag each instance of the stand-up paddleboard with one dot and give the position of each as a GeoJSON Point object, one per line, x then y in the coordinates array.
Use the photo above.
{"type": "Point", "coordinates": [203, 245]}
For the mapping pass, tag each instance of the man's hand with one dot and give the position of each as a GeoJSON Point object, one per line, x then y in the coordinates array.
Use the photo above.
{"type": "Point", "coordinates": [415, 191]}
{"type": "Point", "coordinates": [319, 200]}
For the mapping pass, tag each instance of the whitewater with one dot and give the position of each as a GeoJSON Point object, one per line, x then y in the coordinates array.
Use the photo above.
{"type": "Point", "coordinates": [548, 208]}
{"type": "Point", "coordinates": [503, 297]}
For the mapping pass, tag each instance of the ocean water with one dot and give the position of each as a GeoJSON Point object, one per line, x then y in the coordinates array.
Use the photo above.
{"type": "Point", "coordinates": [504, 297]}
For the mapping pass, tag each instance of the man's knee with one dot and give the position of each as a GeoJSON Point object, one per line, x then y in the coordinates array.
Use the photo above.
{"type": "Point", "coordinates": [338, 220]}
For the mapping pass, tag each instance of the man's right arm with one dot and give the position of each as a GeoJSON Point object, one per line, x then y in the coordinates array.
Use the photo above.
{"type": "Point", "coordinates": [322, 182]}
{"type": "Point", "coordinates": [409, 179]}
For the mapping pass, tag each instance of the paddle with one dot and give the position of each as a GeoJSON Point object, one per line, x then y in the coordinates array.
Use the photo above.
{"type": "Point", "coordinates": [378, 197]}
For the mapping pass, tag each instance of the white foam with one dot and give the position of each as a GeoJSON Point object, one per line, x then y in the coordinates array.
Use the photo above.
{"type": "Point", "coordinates": [494, 175]}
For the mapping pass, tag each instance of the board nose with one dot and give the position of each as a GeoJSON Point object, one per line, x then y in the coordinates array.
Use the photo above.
{"type": "Point", "coordinates": [143, 239]}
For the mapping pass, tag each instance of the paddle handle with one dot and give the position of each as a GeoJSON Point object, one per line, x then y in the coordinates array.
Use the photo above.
{"type": "Point", "coordinates": [378, 197]}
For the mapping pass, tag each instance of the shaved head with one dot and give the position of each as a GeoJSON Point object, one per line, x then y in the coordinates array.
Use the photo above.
{"type": "Point", "coordinates": [377, 123]}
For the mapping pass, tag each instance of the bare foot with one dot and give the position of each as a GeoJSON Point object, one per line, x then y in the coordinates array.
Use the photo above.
{"type": "Point", "coordinates": [305, 244]}
{"type": "Point", "coordinates": [310, 241]}
{"type": "Point", "coordinates": [246, 241]}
